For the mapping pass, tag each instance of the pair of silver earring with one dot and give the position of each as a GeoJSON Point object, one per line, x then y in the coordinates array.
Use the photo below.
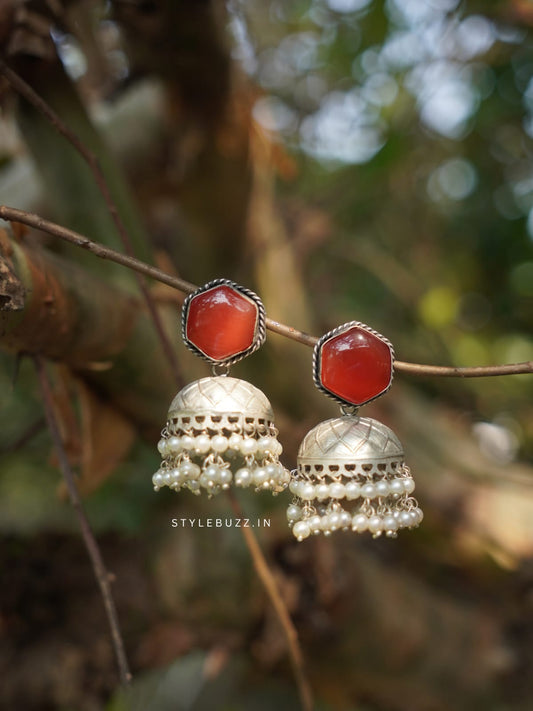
{"type": "Point", "coordinates": [220, 430]}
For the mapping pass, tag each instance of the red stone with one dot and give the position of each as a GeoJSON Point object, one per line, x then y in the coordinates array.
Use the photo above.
{"type": "Point", "coordinates": [221, 322]}
{"type": "Point", "coordinates": [356, 365]}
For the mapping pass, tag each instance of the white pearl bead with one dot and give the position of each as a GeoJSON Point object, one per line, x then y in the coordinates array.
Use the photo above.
{"type": "Point", "coordinates": [382, 488]}
{"type": "Point", "coordinates": [264, 445]}
{"type": "Point", "coordinates": [334, 521]}
{"type": "Point", "coordinates": [301, 530]}
{"type": "Point", "coordinates": [185, 469]}
{"type": "Point", "coordinates": [416, 515]}
{"type": "Point", "coordinates": [277, 448]}
{"type": "Point", "coordinates": [408, 485]}
{"type": "Point", "coordinates": [187, 443]}
{"type": "Point", "coordinates": [273, 471]}
{"type": "Point", "coordinates": [294, 486]}
{"type": "Point", "coordinates": [235, 441]}
{"type": "Point", "coordinates": [219, 443]}
{"type": "Point", "coordinates": [157, 479]}
{"type": "Point", "coordinates": [396, 486]}
{"type": "Point", "coordinates": [176, 475]}
{"type": "Point", "coordinates": [293, 512]}
{"type": "Point", "coordinates": [346, 519]}
{"type": "Point", "coordinates": [307, 491]}
{"type": "Point", "coordinates": [225, 477]}
{"type": "Point", "coordinates": [260, 476]}
{"type": "Point", "coordinates": [243, 477]}
{"type": "Point", "coordinates": [359, 523]}
{"type": "Point", "coordinates": [194, 486]}
{"type": "Point", "coordinates": [315, 524]}
{"type": "Point", "coordinates": [167, 478]}
{"type": "Point", "coordinates": [337, 490]}
{"type": "Point", "coordinates": [353, 490]}
{"type": "Point", "coordinates": [202, 443]}
{"type": "Point", "coordinates": [368, 491]}
{"type": "Point", "coordinates": [324, 523]}
{"type": "Point", "coordinates": [162, 446]}
{"type": "Point", "coordinates": [189, 470]}
{"type": "Point", "coordinates": [213, 472]}
{"type": "Point", "coordinates": [405, 519]}
{"type": "Point", "coordinates": [284, 476]}
{"type": "Point", "coordinates": [248, 446]}
{"type": "Point", "coordinates": [322, 492]}
{"type": "Point", "coordinates": [390, 523]}
{"type": "Point", "coordinates": [174, 445]}
{"type": "Point", "coordinates": [205, 480]}
{"type": "Point", "coordinates": [375, 524]}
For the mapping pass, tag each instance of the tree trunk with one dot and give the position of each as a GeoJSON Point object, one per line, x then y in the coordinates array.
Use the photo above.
{"type": "Point", "coordinates": [54, 308]}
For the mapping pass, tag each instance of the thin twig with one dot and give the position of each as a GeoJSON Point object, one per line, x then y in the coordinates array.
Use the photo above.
{"type": "Point", "coordinates": [479, 371]}
{"type": "Point", "coordinates": [25, 90]}
{"type": "Point", "coordinates": [27, 218]}
{"type": "Point", "coordinates": [34, 429]}
{"type": "Point", "coordinates": [100, 572]}
{"type": "Point", "coordinates": [269, 583]}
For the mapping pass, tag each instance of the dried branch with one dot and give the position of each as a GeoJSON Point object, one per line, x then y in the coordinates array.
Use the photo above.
{"type": "Point", "coordinates": [25, 90]}
{"type": "Point", "coordinates": [269, 583]}
{"type": "Point", "coordinates": [33, 430]}
{"type": "Point", "coordinates": [100, 572]}
{"type": "Point", "coordinates": [12, 214]}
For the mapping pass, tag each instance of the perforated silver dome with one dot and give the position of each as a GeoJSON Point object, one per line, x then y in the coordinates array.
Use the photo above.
{"type": "Point", "coordinates": [349, 440]}
{"type": "Point", "coordinates": [221, 395]}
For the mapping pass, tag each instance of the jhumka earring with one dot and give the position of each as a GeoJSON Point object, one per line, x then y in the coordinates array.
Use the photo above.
{"type": "Point", "coordinates": [220, 429]}
{"type": "Point", "coordinates": [350, 459]}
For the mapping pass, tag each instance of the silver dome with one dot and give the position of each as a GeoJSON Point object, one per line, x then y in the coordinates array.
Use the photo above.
{"type": "Point", "coordinates": [350, 438]}
{"type": "Point", "coordinates": [221, 394]}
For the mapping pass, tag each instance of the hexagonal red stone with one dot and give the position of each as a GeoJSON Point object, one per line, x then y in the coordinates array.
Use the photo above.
{"type": "Point", "coordinates": [355, 365]}
{"type": "Point", "coordinates": [221, 322]}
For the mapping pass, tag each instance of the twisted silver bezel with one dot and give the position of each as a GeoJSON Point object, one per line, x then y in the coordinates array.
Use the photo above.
{"type": "Point", "coordinates": [260, 327]}
{"type": "Point", "coordinates": [317, 353]}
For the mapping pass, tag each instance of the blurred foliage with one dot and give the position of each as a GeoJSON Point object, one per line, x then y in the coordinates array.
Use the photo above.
{"type": "Point", "coordinates": [411, 123]}
{"type": "Point", "coordinates": [202, 682]}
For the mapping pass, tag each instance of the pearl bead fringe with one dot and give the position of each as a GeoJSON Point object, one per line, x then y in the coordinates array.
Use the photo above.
{"type": "Point", "coordinates": [212, 460]}
{"type": "Point", "coordinates": [336, 520]}
{"type": "Point", "coordinates": [381, 506]}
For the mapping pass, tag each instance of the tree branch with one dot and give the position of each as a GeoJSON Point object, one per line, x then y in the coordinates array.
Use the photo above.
{"type": "Point", "coordinates": [100, 572]}
{"type": "Point", "coordinates": [90, 158]}
{"type": "Point", "coordinates": [269, 583]}
{"type": "Point", "coordinates": [12, 214]}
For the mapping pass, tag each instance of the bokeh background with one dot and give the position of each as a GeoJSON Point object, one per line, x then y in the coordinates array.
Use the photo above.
{"type": "Point", "coordinates": [349, 160]}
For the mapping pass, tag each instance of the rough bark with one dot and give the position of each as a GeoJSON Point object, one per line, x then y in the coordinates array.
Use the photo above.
{"type": "Point", "coordinates": [206, 165]}
{"type": "Point", "coordinates": [54, 308]}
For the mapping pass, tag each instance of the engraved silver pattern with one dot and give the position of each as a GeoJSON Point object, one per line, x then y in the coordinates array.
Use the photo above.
{"type": "Point", "coordinates": [343, 437]}
{"type": "Point", "coordinates": [221, 395]}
